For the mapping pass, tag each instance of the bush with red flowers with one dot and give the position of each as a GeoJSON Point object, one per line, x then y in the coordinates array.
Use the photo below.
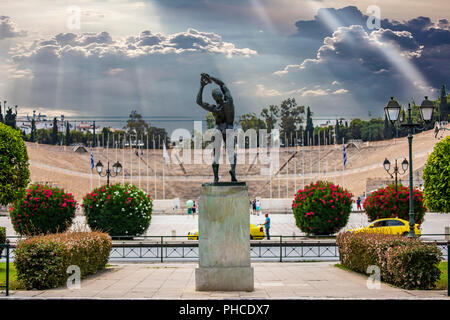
{"type": "Point", "coordinates": [388, 203]}
{"type": "Point", "coordinates": [44, 209]}
{"type": "Point", "coordinates": [322, 208]}
{"type": "Point", "coordinates": [121, 210]}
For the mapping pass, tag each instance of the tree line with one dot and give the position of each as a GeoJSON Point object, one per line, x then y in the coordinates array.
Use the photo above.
{"type": "Point", "coordinates": [296, 125]}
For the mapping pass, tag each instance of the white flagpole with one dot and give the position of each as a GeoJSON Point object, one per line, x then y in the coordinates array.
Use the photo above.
{"type": "Point", "coordinates": [318, 137]}
{"type": "Point", "coordinates": [99, 183]}
{"type": "Point", "coordinates": [343, 165]}
{"type": "Point", "coordinates": [287, 179]}
{"type": "Point", "coordinates": [163, 181]}
{"type": "Point", "coordinates": [139, 159]}
{"type": "Point", "coordinates": [295, 173]}
{"type": "Point", "coordinates": [131, 161]}
{"type": "Point", "coordinates": [154, 163]}
{"type": "Point", "coordinates": [123, 158]}
{"type": "Point", "coordinates": [278, 178]}
{"type": "Point", "coordinates": [90, 166]}
{"type": "Point", "coordinates": [146, 151]}
{"type": "Point", "coordinates": [310, 159]}
{"type": "Point", "coordinates": [335, 172]}
{"type": "Point", "coordinates": [303, 160]}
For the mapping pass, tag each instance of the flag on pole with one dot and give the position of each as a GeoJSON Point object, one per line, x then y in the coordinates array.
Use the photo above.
{"type": "Point", "coordinates": [166, 154]}
{"type": "Point", "coordinates": [92, 160]}
{"type": "Point", "coordinates": [344, 154]}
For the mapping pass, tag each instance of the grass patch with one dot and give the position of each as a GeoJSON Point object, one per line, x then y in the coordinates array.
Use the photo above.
{"type": "Point", "coordinates": [442, 284]}
{"type": "Point", "coordinates": [14, 284]}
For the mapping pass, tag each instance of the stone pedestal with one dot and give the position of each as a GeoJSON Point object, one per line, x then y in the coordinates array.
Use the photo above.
{"type": "Point", "coordinates": [224, 233]}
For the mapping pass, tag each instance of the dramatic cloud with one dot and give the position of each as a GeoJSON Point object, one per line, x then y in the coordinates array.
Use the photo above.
{"type": "Point", "coordinates": [8, 29]}
{"type": "Point", "coordinates": [406, 59]}
{"type": "Point", "coordinates": [94, 72]}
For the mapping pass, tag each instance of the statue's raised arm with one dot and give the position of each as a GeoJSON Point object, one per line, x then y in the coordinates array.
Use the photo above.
{"type": "Point", "coordinates": [208, 107]}
{"type": "Point", "coordinates": [223, 87]}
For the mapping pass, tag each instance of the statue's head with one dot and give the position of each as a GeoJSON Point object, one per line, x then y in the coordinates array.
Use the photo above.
{"type": "Point", "coordinates": [217, 95]}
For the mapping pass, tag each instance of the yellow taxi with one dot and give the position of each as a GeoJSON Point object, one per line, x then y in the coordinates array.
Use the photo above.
{"type": "Point", "coordinates": [393, 226]}
{"type": "Point", "coordinates": [256, 233]}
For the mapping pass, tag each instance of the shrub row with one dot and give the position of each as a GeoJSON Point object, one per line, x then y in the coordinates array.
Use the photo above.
{"type": "Point", "coordinates": [122, 210]}
{"type": "Point", "coordinates": [41, 262]}
{"type": "Point", "coordinates": [404, 262]}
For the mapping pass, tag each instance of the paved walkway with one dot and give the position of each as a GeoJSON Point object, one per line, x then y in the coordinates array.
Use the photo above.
{"type": "Point", "coordinates": [310, 280]}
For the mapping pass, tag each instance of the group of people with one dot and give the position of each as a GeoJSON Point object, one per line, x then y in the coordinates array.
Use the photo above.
{"type": "Point", "coordinates": [256, 209]}
{"type": "Point", "coordinates": [192, 209]}
{"type": "Point", "coordinates": [256, 206]}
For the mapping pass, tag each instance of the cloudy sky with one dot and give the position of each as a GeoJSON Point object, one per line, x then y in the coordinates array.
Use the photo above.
{"type": "Point", "coordinates": [108, 57]}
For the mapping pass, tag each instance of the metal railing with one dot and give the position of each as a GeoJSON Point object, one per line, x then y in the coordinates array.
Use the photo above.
{"type": "Point", "coordinates": [279, 248]}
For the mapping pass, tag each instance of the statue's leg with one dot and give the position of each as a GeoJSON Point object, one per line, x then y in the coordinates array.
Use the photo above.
{"type": "Point", "coordinates": [232, 158]}
{"type": "Point", "coordinates": [233, 169]}
{"type": "Point", "coordinates": [215, 167]}
{"type": "Point", "coordinates": [215, 164]}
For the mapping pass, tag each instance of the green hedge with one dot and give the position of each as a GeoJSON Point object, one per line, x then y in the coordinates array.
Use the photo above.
{"type": "Point", "coordinates": [2, 235]}
{"type": "Point", "coordinates": [436, 176]}
{"type": "Point", "coordinates": [14, 172]}
{"type": "Point", "coordinates": [41, 262]}
{"type": "Point", "coordinates": [408, 263]}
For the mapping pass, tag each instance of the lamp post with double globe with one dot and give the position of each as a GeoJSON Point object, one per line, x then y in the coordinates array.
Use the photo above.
{"type": "Point", "coordinates": [396, 171]}
{"type": "Point", "coordinates": [392, 110]}
{"type": "Point", "coordinates": [117, 168]}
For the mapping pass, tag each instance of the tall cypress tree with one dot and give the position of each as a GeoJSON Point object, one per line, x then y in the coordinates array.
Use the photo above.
{"type": "Point", "coordinates": [309, 125]}
{"type": "Point", "coordinates": [33, 130]}
{"type": "Point", "coordinates": [68, 137]}
{"type": "Point", "coordinates": [55, 131]}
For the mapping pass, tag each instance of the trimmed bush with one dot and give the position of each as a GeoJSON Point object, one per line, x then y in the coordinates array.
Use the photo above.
{"type": "Point", "coordinates": [404, 262]}
{"type": "Point", "coordinates": [322, 208]}
{"type": "Point", "coordinates": [388, 203]}
{"type": "Point", "coordinates": [41, 262]}
{"type": "Point", "coordinates": [120, 210]}
{"type": "Point", "coordinates": [14, 173]}
{"type": "Point", "coordinates": [44, 210]}
{"type": "Point", "coordinates": [437, 178]}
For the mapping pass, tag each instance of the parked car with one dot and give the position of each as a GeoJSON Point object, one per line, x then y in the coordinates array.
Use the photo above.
{"type": "Point", "coordinates": [256, 233]}
{"type": "Point", "coordinates": [389, 226]}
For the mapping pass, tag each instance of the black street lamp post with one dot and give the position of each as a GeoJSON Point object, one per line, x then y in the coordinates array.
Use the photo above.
{"type": "Point", "coordinates": [387, 166]}
{"type": "Point", "coordinates": [117, 168]}
{"type": "Point", "coordinates": [392, 110]}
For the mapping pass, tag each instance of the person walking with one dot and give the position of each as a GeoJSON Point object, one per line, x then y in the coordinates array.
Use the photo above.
{"type": "Point", "coordinates": [258, 206]}
{"type": "Point", "coordinates": [194, 209]}
{"type": "Point", "coordinates": [254, 207]}
{"type": "Point", "coordinates": [267, 226]}
{"type": "Point", "coordinates": [358, 204]}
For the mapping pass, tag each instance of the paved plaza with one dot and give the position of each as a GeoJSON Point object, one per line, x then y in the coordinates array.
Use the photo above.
{"type": "Point", "coordinates": [309, 280]}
